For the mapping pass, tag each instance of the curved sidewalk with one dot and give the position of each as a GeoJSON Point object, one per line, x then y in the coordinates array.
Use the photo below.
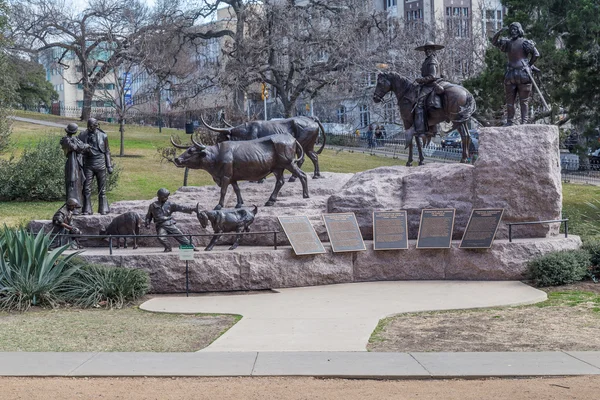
{"type": "Point", "coordinates": [335, 317]}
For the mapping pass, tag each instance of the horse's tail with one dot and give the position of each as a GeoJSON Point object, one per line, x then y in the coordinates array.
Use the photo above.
{"type": "Point", "coordinates": [465, 112]}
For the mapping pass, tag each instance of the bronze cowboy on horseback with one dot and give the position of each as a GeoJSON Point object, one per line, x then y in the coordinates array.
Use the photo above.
{"type": "Point", "coordinates": [429, 87]}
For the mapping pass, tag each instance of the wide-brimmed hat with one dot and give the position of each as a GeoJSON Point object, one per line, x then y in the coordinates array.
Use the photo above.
{"type": "Point", "coordinates": [429, 45]}
{"type": "Point", "coordinates": [72, 128]}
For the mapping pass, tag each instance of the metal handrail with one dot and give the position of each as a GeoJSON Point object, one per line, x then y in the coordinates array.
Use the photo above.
{"type": "Point", "coordinates": [510, 224]}
{"type": "Point", "coordinates": [111, 237]}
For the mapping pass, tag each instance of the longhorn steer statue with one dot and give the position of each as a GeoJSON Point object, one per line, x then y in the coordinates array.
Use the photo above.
{"type": "Point", "coordinates": [226, 220]}
{"type": "Point", "coordinates": [252, 160]}
{"type": "Point", "coordinates": [304, 129]}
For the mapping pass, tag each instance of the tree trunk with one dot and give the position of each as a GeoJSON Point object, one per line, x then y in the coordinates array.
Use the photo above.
{"type": "Point", "coordinates": [122, 130]}
{"type": "Point", "coordinates": [86, 110]}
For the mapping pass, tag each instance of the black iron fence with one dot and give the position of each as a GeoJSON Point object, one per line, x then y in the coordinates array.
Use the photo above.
{"type": "Point", "coordinates": [511, 224]}
{"type": "Point", "coordinates": [65, 238]}
{"type": "Point", "coordinates": [573, 170]}
{"type": "Point", "coordinates": [394, 146]}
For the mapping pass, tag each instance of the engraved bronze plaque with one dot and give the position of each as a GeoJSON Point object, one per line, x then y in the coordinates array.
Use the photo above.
{"type": "Point", "coordinates": [344, 233]}
{"type": "Point", "coordinates": [302, 236]}
{"type": "Point", "coordinates": [435, 229]}
{"type": "Point", "coordinates": [390, 231]}
{"type": "Point", "coordinates": [481, 229]}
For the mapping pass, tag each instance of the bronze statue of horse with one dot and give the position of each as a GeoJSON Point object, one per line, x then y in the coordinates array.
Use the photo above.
{"type": "Point", "coordinates": [457, 107]}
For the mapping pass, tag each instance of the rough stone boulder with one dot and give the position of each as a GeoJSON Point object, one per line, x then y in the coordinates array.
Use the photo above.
{"type": "Point", "coordinates": [518, 169]}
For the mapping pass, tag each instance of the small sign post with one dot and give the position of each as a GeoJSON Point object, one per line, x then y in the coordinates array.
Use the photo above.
{"type": "Point", "coordinates": [186, 252]}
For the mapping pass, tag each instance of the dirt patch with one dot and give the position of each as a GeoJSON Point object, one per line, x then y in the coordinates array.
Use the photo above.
{"type": "Point", "coordinates": [569, 321]}
{"type": "Point", "coordinates": [579, 388]}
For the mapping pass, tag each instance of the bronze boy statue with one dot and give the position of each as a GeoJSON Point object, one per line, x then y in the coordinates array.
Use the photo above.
{"type": "Point", "coordinates": [62, 223]}
{"type": "Point", "coordinates": [160, 211]}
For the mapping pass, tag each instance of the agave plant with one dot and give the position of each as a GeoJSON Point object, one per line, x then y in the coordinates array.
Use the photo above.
{"type": "Point", "coordinates": [30, 273]}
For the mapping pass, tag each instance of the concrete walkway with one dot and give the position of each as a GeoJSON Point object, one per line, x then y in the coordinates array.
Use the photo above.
{"type": "Point", "coordinates": [39, 122]}
{"type": "Point", "coordinates": [336, 317]}
{"type": "Point", "coordinates": [317, 364]}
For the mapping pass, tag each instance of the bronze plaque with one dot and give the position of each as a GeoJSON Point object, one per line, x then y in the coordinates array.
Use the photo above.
{"type": "Point", "coordinates": [481, 229]}
{"type": "Point", "coordinates": [301, 234]}
{"type": "Point", "coordinates": [390, 231]}
{"type": "Point", "coordinates": [435, 229]}
{"type": "Point", "coordinates": [344, 233]}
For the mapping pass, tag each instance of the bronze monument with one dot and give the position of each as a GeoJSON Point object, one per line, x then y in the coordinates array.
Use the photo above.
{"type": "Point", "coordinates": [96, 162]}
{"type": "Point", "coordinates": [522, 54]}
{"type": "Point", "coordinates": [74, 177]}
{"type": "Point", "coordinates": [161, 212]}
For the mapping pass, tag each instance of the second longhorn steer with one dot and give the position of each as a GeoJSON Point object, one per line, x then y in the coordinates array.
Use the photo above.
{"type": "Point", "coordinates": [306, 130]}
{"type": "Point", "coordinates": [231, 162]}
{"type": "Point", "coordinates": [226, 220]}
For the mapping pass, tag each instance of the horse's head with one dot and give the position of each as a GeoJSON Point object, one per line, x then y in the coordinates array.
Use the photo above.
{"type": "Point", "coordinates": [384, 85]}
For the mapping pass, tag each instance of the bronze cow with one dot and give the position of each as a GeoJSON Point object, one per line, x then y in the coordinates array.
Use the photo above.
{"type": "Point", "coordinates": [304, 129]}
{"type": "Point", "coordinates": [252, 160]}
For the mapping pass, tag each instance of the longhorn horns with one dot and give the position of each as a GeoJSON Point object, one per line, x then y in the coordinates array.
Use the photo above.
{"type": "Point", "coordinates": [180, 146]}
{"type": "Point", "coordinates": [219, 130]}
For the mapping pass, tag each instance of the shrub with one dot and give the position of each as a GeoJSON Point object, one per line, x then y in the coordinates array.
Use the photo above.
{"type": "Point", "coordinates": [29, 273]}
{"type": "Point", "coordinates": [592, 246]}
{"type": "Point", "coordinates": [5, 130]}
{"type": "Point", "coordinates": [559, 268]}
{"type": "Point", "coordinates": [97, 285]}
{"type": "Point", "coordinates": [39, 173]}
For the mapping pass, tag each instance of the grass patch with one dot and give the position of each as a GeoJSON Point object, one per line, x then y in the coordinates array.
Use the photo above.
{"type": "Point", "coordinates": [584, 220]}
{"type": "Point", "coordinates": [128, 329]}
{"type": "Point", "coordinates": [570, 299]}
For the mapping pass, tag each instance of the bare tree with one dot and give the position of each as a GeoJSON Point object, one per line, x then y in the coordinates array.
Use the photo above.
{"type": "Point", "coordinates": [97, 38]}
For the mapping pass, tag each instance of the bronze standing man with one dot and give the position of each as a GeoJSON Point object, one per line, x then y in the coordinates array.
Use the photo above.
{"type": "Point", "coordinates": [161, 212]}
{"type": "Point", "coordinates": [518, 69]}
{"type": "Point", "coordinates": [96, 162]}
{"type": "Point", "coordinates": [430, 74]}
{"type": "Point", "coordinates": [74, 177]}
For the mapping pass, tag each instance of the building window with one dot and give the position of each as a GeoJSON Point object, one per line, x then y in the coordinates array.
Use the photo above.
{"type": "Point", "coordinates": [341, 115]}
{"type": "Point", "coordinates": [389, 112]}
{"type": "Point", "coordinates": [80, 103]}
{"type": "Point", "coordinates": [493, 22]}
{"type": "Point", "coordinates": [369, 79]}
{"type": "Point", "coordinates": [365, 115]}
{"type": "Point", "coordinates": [388, 4]}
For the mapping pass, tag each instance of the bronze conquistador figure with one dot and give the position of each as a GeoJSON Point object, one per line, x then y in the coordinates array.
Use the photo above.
{"type": "Point", "coordinates": [518, 69]}
{"type": "Point", "coordinates": [96, 162]}
{"type": "Point", "coordinates": [430, 74]}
